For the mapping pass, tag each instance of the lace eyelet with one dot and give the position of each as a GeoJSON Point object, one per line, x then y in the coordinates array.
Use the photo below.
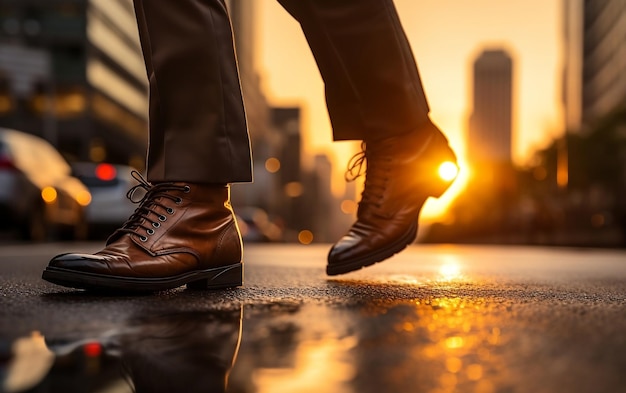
{"type": "Point", "coordinates": [169, 210]}
{"type": "Point", "coordinates": [162, 218]}
{"type": "Point", "coordinates": [143, 238]}
{"type": "Point", "coordinates": [187, 189]}
{"type": "Point", "coordinates": [178, 201]}
{"type": "Point", "coordinates": [150, 231]}
{"type": "Point", "coordinates": [156, 224]}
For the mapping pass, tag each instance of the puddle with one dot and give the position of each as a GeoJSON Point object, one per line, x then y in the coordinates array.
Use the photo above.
{"type": "Point", "coordinates": [435, 344]}
{"type": "Point", "coordinates": [257, 348]}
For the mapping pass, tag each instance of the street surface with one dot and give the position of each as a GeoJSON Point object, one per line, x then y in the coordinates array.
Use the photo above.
{"type": "Point", "coordinates": [433, 319]}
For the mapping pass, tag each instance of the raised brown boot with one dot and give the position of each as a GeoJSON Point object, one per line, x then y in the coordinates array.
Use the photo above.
{"type": "Point", "coordinates": [181, 233]}
{"type": "Point", "coordinates": [401, 173]}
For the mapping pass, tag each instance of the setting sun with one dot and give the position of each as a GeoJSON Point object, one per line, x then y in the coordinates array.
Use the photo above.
{"type": "Point", "coordinates": [448, 171]}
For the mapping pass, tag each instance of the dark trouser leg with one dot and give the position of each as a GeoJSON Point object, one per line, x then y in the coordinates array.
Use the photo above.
{"type": "Point", "coordinates": [373, 88]}
{"type": "Point", "coordinates": [198, 130]}
{"type": "Point", "coordinates": [374, 93]}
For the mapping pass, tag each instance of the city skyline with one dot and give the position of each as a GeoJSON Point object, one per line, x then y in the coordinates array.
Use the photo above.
{"type": "Point", "coordinates": [285, 72]}
{"type": "Point", "coordinates": [446, 37]}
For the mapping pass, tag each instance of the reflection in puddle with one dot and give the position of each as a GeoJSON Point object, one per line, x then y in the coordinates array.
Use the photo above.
{"type": "Point", "coordinates": [431, 344]}
{"type": "Point", "coordinates": [189, 352]}
{"type": "Point", "coordinates": [318, 367]}
{"type": "Point", "coordinates": [463, 336]}
{"type": "Point", "coordinates": [32, 360]}
{"type": "Point", "coordinates": [182, 352]}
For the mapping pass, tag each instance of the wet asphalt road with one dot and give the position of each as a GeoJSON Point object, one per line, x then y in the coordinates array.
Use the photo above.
{"type": "Point", "coordinates": [431, 319]}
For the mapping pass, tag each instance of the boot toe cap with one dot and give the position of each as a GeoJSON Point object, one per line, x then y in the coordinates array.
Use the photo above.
{"type": "Point", "coordinates": [81, 262]}
{"type": "Point", "coordinates": [345, 249]}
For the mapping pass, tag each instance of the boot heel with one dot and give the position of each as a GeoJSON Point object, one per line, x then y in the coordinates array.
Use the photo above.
{"type": "Point", "coordinates": [225, 277]}
{"type": "Point", "coordinates": [438, 188]}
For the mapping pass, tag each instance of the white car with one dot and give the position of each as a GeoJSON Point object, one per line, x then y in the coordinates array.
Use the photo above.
{"type": "Point", "coordinates": [38, 195]}
{"type": "Point", "coordinates": [108, 185]}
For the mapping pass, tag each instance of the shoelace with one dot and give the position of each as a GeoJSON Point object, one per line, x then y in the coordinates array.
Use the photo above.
{"type": "Point", "coordinates": [356, 164]}
{"type": "Point", "coordinates": [146, 212]}
{"type": "Point", "coordinates": [376, 168]}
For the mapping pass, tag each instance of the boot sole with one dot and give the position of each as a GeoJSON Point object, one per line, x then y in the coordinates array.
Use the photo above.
{"type": "Point", "coordinates": [216, 278]}
{"type": "Point", "coordinates": [375, 257]}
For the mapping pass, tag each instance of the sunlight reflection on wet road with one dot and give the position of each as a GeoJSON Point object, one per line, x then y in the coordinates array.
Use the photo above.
{"type": "Point", "coordinates": [432, 320]}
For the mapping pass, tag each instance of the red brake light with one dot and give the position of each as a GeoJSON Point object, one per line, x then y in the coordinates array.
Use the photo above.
{"type": "Point", "coordinates": [92, 349]}
{"type": "Point", "coordinates": [106, 172]}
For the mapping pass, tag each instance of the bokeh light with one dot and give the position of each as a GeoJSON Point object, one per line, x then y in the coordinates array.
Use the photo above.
{"type": "Point", "coordinates": [49, 194]}
{"type": "Point", "coordinates": [305, 237]}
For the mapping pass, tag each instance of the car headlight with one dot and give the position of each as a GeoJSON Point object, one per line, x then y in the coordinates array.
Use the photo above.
{"type": "Point", "coordinates": [49, 194]}
{"type": "Point", "coordinates": [84, 198]}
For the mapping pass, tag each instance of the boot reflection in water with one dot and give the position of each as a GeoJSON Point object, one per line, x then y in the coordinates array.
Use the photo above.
{"type": "Point", "coordinates": [186, 352]}
{"type": "Point", "coordinates": [184, 231]}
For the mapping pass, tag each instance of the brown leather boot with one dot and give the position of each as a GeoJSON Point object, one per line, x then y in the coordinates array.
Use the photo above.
{"type": "Point", "coordinates": [402, 172]}
{"type": "Point", "coordinates": [180, 234]}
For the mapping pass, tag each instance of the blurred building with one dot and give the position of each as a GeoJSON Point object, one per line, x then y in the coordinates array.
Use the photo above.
{"type": "Point", "coordinates": [265, 196]}
{"type": "Point", "coordinates": [72, 72]}
{"type": "Point", "coordinates": [490, 124]}
{"type": "Point", "coordinates": [486, 206]}
{"type": "Point", "coordinates": [595, 113]}
{"type": "Point", "coordinates": [289, 196]}
{"type": "Point", "coordinates": [573, 62]}
{"type": "Point", "coordinates": [291, 177]}
{"type": "Point", "coordinates": [242, 14]}
{"type": "Point", "coordinates": [595, 71]}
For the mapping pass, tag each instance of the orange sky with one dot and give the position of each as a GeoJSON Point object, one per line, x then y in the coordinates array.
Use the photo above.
{"type": "Point", "coordinates": [446, 36]}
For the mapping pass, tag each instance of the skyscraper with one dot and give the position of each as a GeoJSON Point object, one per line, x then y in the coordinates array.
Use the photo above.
{"type": "Point", "coordinates": [573, 63]}
{"type": "Point", "coordinates": [595, 73]}
{"type": "Point", "coordinates": [92, 97]}
{"type": "Point", "coordinates": [491, 120]}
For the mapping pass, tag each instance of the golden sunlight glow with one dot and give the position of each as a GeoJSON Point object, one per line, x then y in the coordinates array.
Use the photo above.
{"type": "Point", "coordinates": [436, 209]}
{"type": "Point", "coordinates": [463, 337]}
{"type": "Point", "coordinates": [450, 268]}
{"type": "Point", "coordinates": [474, 372]}
{"type": "Point", "coordinates": [454, 342]}
{"type": "Point", "coordinates": [448, 171]}
{"type": "Point", "coordinates": [49, 194]}
{"type": "Point", "coordinates": [454, 364]}
{"type": "Point", "coordinates": [450, 271]}
{"type": "Point", "coordinates": [318, 367]}
{"type": "Point", "coordinates": [403, 279]}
